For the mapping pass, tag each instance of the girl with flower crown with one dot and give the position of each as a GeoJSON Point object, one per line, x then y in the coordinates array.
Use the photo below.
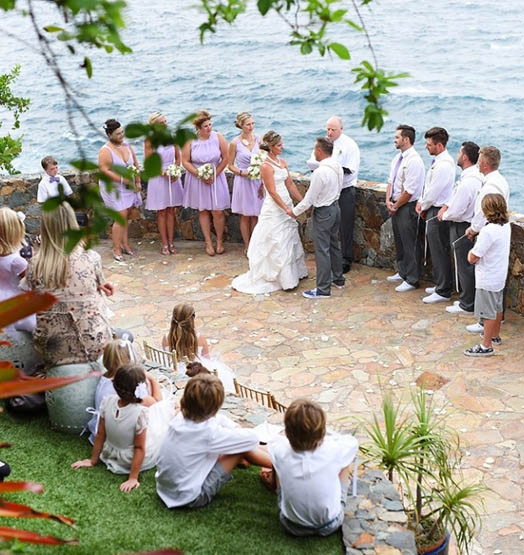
{"type": "Point", "coordinates": [118, 353]}
{"type": "Point", "coordinates": [129, 433]}
{"type": "Point", "coordinates": [191, 346]}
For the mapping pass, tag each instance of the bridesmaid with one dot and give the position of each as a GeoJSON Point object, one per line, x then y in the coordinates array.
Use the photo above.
{"type": "Point", "coordinates": [164, 193]}
{"type": "Point", "coordinates": [248, 194]}
{"type": "Point", "coordinates": [209, 196]}
{"type": "Point", "coordinates": [124, 195]}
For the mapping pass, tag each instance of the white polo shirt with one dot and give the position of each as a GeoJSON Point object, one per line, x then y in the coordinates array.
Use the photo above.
{"type": "Point", "coordinates": [492, 247]}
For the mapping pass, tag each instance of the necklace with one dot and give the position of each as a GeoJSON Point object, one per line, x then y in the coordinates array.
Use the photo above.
{"type": "Point", "coordinates": [247, 142]}
{"type": "Point", "coordinates": [273, 161]}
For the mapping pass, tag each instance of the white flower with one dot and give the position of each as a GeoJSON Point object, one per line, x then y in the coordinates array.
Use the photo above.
{"type": "Point", "coordinates": [253, 172]}
{"type": "Point", "coordinates": [133, 169]}
{"type": "Point", "coordinates": [174, 171]}
{"type": "Point", "coordinates": [258, 158]}
{"type": "Point", "coordinates": [141, 391]}
{"type": "Point", "coordinates": [206, 171]}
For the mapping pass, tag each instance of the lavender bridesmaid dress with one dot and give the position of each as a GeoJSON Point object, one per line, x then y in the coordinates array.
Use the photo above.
{"type": "Point", "coordinates": [245, 199]}
{"type": "Point", "coordinates": [197, 194]}
{"type": "Point", "coordinates": [160, 193]}
{"type": "Point", "coordinates": [120, 198]}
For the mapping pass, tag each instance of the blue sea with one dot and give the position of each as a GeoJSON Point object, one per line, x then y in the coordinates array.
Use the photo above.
{"type": "Point", "coordinates": [464, 58]}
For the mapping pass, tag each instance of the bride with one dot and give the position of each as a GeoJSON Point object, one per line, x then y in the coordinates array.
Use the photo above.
{"type": "Point", "coordinates": [275, 253]}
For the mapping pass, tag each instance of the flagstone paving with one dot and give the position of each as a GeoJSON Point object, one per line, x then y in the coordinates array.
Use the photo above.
{"type": "Point", "coordinates": [341, 351]}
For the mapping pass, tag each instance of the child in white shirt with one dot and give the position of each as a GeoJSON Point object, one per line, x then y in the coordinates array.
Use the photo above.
{"type": "Point", "coordinates": [201, 447]}
{"type": "Point", "coordinates": [48, 186]}
{"type": "Point", "coordinates": [312, 471]}
{"type": "Point", "coordinates": [491, 257]}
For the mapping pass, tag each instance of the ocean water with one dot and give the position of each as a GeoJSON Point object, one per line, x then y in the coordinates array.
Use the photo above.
{"type": "Point", "coordinates": [465, 60]}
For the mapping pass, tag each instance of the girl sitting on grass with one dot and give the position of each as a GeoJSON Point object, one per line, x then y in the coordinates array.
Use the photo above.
{"type": "Point", "coordinates": [129, 433]}
{"type": "Point", "coordinates": [118, 353]}
{"type": "Point", "coordinates": [191, 346]}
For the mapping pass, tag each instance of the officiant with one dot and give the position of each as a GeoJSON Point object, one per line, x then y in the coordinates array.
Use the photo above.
{"type": "Point", "coordinates": [323, 194]}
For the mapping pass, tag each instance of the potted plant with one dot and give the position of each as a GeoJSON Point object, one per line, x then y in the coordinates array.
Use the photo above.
{"type": "Point", "coordinates": [423, 458]}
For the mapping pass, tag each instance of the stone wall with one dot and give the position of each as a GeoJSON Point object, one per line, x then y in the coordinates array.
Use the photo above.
{"type": "Point", "coordinates": [373, 241]}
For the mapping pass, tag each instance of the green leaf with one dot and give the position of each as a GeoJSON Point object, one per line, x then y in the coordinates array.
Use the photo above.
{"type": "Point", "coordinates": [263, 6]}
{"type": "Point", "coordinates": [182, 136]}
{"type": "Point", "coordinates": [340, 50]}
{"type": "Point", "coordinates": [305, 48]}
{"type": "Point", "coordinates": [135, 130]}
{"type": "Point", "coordinates": [51, 204]}
{"type": "Point", "coordinates": [53, 29]}
{"type": "Point", "coordinates": [88, 67]}
{"type": "Point", "coordinates": [83, 165]}
{"type": "Point", "coordinates": [152, 165]}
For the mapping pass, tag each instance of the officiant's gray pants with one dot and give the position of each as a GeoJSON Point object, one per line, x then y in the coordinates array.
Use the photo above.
{"type": "Point", "coordinates": [465, 270]}
{"type": "Point", "coordinates": [328, 256]}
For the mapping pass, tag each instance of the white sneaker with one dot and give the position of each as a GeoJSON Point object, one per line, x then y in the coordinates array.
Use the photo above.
{"type": "Point", "coordinates": [475, 328]}
{"type": "Point", "coordinates": [456, 302]}
{"type": "Point", "coordinates": [430, 290]}
{"type": "Point", "coordinates": [404, 286]}
{"type": "Point", "coordinates": [435, 298]}
{"type": "Point", "coordinates": [455, 309]}
{"type": "Point", "coordinates": [396, 277]}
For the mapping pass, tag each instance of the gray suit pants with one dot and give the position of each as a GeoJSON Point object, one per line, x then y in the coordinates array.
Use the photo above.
{"type": "Point", "coordinates": [347, 222]}
{"type": "Point", "coordinates": [407, 245]}
{"type": "Point", "coordinates": [440, 249]}
{"type": "Point", "coordinates": [465, 270]}
{"type": "Point", "coordinates": [328, 256]}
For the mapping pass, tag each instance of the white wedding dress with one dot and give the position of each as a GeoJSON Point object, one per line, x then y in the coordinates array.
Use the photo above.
{"type": "Point", "coordinates": [275, 253]}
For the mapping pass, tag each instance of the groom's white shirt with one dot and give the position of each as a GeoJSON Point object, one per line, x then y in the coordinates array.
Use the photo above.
{"type": "Point", "coordinates": [324, 188]}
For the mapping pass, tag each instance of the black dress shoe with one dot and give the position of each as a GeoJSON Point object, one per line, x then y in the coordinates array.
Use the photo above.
{"type": "Point", "coordinates": [4, 470]}
{"type": "Point", "coordinates": [346, 268]}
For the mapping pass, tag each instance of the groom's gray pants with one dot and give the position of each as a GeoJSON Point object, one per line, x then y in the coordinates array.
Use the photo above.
{"type": "Point", "coordinates": [328, 256]}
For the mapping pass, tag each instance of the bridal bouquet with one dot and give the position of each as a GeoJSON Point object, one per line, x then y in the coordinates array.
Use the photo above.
{"type": "Point", "coordinates": [253, 172]}
{"type": "Point", "coordinates": [207, 171]}
{"type": "Point", "coordinates": [134, 170]}
{"type": "Point", "coordinates": [174, 171]}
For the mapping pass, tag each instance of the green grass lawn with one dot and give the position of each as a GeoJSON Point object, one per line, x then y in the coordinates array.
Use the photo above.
{"type": "Point", "coordinates": [242, 519]}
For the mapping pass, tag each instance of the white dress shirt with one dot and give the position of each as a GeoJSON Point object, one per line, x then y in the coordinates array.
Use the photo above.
{"type": "Point", "coordinates": [46, 189]}
{"type": "Point", "coordinates": [409, 176]}
{"type": "Point", "coordinates": [324, 188]}
{"type": "Point", "coordinates": [309, 481]}
{"type": "Point", "coordinates": [347, 154]}
{"type": "Point", "coordinates": [494, 183]}
{"type": "Point", "coordinates": [461, 206]}
{"type": "Point", "coordinates": [439, 181]}
{"type": "Point", "coordinates": [189, 452]}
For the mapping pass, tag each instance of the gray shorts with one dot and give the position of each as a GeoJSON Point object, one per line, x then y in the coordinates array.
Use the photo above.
{"type": "Point", "coordinates": [325, 529]}
{"type": "Point", "coordinates": [214, 482]}
{"type": "Point", "coordinates": [488, 303]}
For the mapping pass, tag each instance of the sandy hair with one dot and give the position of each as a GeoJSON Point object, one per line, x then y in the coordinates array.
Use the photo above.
{"type": "Point", "coordinates": [155, 117]}
{"type": "Point", "coordinates": [125, 381]}
{"type": "Point", "coordinates": [495, 209]}
{"type": "Point", "coordinates": [271, 138]}
{"type": "Point", "coordinates": [200, 118]}
{"type": "Point", "coordinates": [203, 397]}
{"type": "Point", "coordinates": [305, 424]}
{"type": "Point", "coordinates": [241, 118]}
{"type": "Point", "coordinates": [51, 264]}
{"type": "Point", "coordinates": [491, 155]}
{"type": "Point", "coordinates": [182, 336]}
{"type": "Point", "coordinates": [12, 231]}
{"type": "Point", "coordinates": [116, 355]}
{"type": "Point", "coordinates": [48, 161]}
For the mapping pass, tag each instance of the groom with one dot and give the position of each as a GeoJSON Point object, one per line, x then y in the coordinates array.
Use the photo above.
{"type": "Point", "coordinates": [323, 193]}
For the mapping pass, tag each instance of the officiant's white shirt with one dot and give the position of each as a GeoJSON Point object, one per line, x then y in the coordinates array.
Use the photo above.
{"type": "Point", "coordinates": [324, 188]}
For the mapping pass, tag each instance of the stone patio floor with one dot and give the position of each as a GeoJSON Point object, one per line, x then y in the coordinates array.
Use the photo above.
{"type": "Point", "coordinates": [341, 351]}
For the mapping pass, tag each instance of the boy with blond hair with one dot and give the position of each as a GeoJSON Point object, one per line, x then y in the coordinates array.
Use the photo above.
{"type": "Point", "coordinates": [201, 447]}
{"type": "Point", "coordinates": [312, 471]}
{"type": "Point", "coordinates": [491, 258]}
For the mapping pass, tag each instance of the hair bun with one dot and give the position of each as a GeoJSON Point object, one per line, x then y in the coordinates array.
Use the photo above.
{"type": "Point", "coordinates": [264, 146]}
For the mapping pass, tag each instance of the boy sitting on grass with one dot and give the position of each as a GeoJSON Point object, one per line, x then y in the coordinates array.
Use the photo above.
{"type": "Point", "coordinates": [491, 257]}
{"type": "Point", "coordinates": [312, 471]}
{"type": "Point", "coordinates": [201, 447]}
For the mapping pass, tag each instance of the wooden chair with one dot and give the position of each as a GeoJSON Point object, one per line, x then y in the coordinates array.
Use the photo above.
{"type": "Point", "coordinates": [279, 407]}
{"type": "Point", "coordinates": [164, 359]}
{"type": "Point", "coordinates": [262, 397]}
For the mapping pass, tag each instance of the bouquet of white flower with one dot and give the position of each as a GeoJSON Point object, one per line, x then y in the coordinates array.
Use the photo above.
{"type": "Point", "coordinates": [174, 171]}
{"type": "Point", "coordinates": [258, 159]}
{"type": "Point", "coordinates": [133, 169]}
{"type": "Point", "coordinates": [207, 171]}
{"type": "Point", "coordinates": [253, 172]}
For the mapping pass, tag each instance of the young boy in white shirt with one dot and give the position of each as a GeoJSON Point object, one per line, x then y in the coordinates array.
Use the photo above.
{"type": "Point", "coordinates": [491, 256]}
{"type": "Point", "coordinates": [312, 471]}
{"type": "Point", "coordinates": [48, 186]}
{"type": "Point", "coordinates": [201, 447]}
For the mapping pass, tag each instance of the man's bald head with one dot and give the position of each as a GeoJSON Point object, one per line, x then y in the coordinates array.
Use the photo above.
{"type": "Point", "coordinates": [334, 127]}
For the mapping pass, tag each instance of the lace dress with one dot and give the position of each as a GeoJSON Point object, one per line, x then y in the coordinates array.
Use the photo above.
{"type": "Point", "coordinates": [275, 253]}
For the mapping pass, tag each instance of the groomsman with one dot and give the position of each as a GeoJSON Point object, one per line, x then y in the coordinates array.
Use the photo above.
{"type": "Point", "coordinates": [437, 191]}
{"type": "Point", "coordinates": [323, 194]}
{"type": "Point", "coordinates": [406, 180]}
{"type": "Point", "coordinates": [347, 153]}
{"type": "Point", "coordinates": [458, 211]}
